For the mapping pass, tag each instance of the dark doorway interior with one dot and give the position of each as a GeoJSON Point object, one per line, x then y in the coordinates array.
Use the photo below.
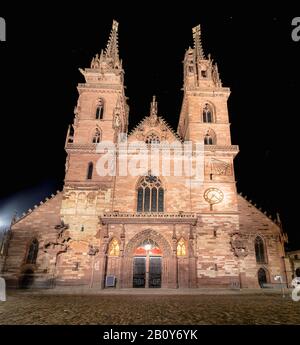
{"type": "Point", "coordinates": [262, 277]}
{"type": "Point", "coordinates": [26, 279]}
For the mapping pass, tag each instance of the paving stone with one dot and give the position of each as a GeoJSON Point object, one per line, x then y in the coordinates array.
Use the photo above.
{"type": "Point", "coordinates": [38, 309]}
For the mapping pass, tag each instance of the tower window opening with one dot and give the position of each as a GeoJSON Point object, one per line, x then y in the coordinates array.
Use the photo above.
{"type": "Point", "coordinates": [208, 140]}
{"type": "Point", "coordinates": [99, 109]}
{"type": "Point", "coordinates": [97, 136]}
{"type": "Point", "coordinates": [90, 171]}
{"type": "Point", "coordinates": [207, 114]}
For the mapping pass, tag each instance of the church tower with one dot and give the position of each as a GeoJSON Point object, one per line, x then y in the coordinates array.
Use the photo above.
{"type": "Point", "coordinates": [204, 118]}
{"type": "Point", "coordinates": [101, 114]}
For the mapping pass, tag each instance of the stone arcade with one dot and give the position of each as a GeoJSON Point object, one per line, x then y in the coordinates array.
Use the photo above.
{"type": "Point", "coordinates": [146, 231]}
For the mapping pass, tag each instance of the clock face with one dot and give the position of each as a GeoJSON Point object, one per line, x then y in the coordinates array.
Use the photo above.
{"type": "Point", "coordinates": [213, 195]}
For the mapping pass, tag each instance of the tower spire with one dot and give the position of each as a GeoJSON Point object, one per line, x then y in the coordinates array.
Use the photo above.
{"type": "Point", "coordinates": [109, 58]}
{"type": "Point", "coordinates": [197, 42]}
{"type": "Point", "coordinates": [153, 112]}
{"type": "Point", "coordinates": [112, 49]}
{"type": "Point", "coordinates": [153, 107]}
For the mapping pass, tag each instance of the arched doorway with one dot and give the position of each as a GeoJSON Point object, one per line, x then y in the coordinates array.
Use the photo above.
{"type": "Point", "coordinates": [163, 263]}
{"type": "Point", "coordinates": [26, 279]}
{"type": "Point", "coordinates": [262, 277]}
{"type": "Point", "coordinates": [147, 265]}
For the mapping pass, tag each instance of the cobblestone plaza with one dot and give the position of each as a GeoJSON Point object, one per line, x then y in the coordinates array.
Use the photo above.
{"type": "Point", "coordinates": [22, 308]}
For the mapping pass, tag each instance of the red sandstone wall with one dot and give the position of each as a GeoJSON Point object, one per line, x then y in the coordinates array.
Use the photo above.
{"type": "Point", "coordinates": [40, 224]}
{"type": "Point", "coordinates": [253, 223]}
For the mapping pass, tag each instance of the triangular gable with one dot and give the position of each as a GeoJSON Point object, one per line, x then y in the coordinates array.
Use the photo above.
{"type": "Point", "coordinates": [160, 127]}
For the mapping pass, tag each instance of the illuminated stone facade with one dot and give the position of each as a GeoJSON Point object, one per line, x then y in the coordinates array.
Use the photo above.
{"type": "Point", "coordinates": [181, 234]}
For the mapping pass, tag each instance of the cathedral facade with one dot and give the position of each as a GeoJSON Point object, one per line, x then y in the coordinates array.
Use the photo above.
{"type": "Point", "coordinates": [152, 230]}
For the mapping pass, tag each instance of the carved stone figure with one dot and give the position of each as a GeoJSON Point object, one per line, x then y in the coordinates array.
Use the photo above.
{"type": "Point", "coordinates": [92, 250]}
{"type": "Point", "coordinates": [61, 244]}
{"type": "Point", "coordinates": [117, 121]}
{"type": "Point", "coordinates": [238, 245]}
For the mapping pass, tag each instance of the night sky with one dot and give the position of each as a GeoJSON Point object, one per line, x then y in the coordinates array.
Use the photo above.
{"type": "Point", "coordinates": [257, 59]}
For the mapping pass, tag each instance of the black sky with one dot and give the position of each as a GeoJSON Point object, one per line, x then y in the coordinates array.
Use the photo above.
{"type": "Point", "coordinates": [257, 59]}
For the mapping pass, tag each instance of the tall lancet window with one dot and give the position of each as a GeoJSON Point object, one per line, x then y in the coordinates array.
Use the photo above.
{"type": "Point", "coordinates": [260, 250]}
{"type": "Point", "coordinates": [97, 136]}
{"type": "Point", "coordinates": [100, 109]}
{"type": "Point", "coordinates": [150, 195]}
{"type": "Point", "coordinates": [207, 114]}
{"type": "Point", "coordinates": [32, 252]}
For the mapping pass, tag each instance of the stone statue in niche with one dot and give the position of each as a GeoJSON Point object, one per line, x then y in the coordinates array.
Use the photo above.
{"type": "Point", "coordinates": [117, 121]}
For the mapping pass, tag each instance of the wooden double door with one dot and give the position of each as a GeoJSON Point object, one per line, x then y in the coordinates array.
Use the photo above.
{"type": "Point", "coordinates": [147, 272]}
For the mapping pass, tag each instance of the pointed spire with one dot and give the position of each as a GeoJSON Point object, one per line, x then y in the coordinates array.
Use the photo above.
{"type": "Point", "coordinates": [109, 58]}
{"type": "Point", "coordinates": [216, 75]}
{"type": "Point", "coordinates": [197, 42]}
{"type": "Point", "coordinates": [153, 112]}
{"type": "Point", "coordinates": [112, 50]}
{"type": "Point", "coordinates": [153, 107]}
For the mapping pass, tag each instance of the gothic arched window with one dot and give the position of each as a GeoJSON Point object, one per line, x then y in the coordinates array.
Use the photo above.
{"type": "Point", "coordinates": [89, 174]}
{"type": "Point", "coordinates": [150, 195]}
{"type": "Point", "coordinates": [152, 138]}
{"type": "Point", "coordinates": [210, 137]}
{"type": "Point", "coordinates": [32, 251]}
{"type": "Point", "coordinates": [260, 250]}
{"type": "Point", "coordinates": [97, 136]}
{"type": "Point", "coordinates": [207, 113]}
{"type": "Point", "coordinates": [181, 247]}
{"type": "Point", "coordinates": [99, 109]}
{"type": "Point", "coordinates": [208, 140]}
{"type": "Point", "coordinates": [114, 248]}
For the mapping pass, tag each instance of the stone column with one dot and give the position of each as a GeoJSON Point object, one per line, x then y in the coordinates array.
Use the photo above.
{"type": "Point", "coordinates": [103, 259]}
{"type": "Point", "coordinates": [127, 272]}
{"type": "Point", "coordinates": [192, 260]}
{"type": "Point", "coordinates": [120, 282]}
{"type": "Point", "coordinates": [173, 262]}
